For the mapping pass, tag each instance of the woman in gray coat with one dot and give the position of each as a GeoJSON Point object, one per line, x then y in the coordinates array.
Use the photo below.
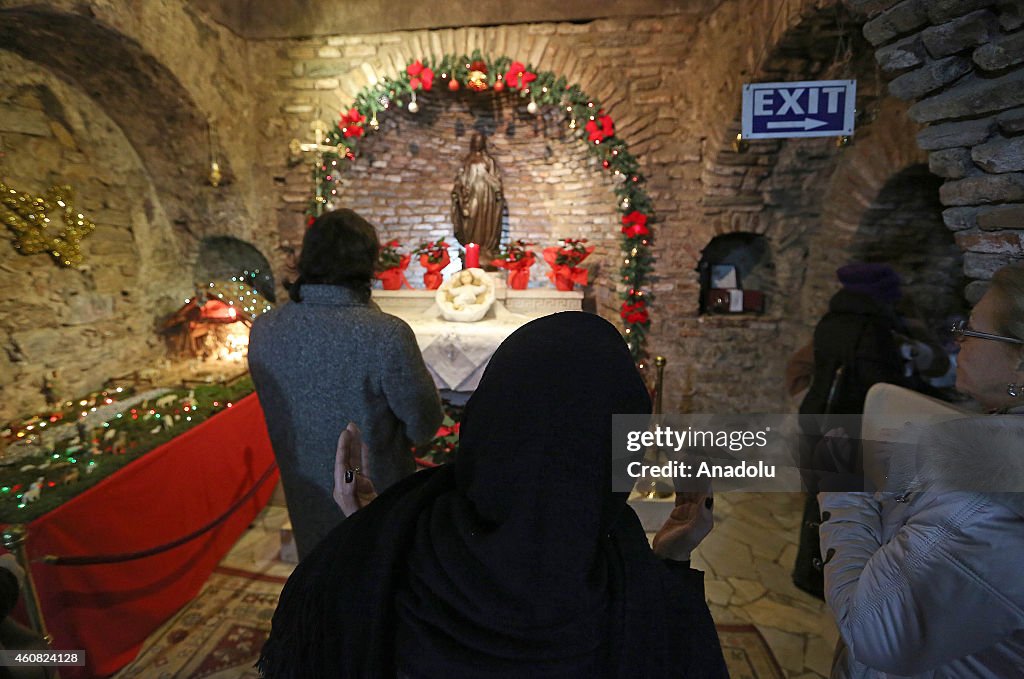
{"type": "Point", "coordinates": [332, 357]}
{"type": "Point", "coordinates": [925, 580]}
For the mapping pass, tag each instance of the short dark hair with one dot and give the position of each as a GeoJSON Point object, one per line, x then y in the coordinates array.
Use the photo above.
{"type": "Point", "coordinates": [340, 248]}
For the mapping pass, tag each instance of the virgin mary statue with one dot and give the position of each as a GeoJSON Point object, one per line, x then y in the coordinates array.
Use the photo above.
{"type": "Point", "coordinates": [477, 200]}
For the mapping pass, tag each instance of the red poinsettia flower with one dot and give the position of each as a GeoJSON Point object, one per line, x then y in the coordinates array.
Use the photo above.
{"type": "Point", "coordinates": [634, 225]}
{"type": "Point", "coordinates": [600, 128]}
{"type": "Point", "coordinates": [351, 123]}
{"type": "Point", "coordinates": [635, 313]}
{"type": "Point", "coordinates": [420, 76]}
{"type": "Point", "coordinates": [518, 76]}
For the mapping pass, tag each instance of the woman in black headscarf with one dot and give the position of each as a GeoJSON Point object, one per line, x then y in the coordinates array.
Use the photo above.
{"type": "Point", "coordinates": [517, 559]}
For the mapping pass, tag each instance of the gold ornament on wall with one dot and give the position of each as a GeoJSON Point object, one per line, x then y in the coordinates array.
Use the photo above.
{"type": "Point", "coordinates": [28, 217]}
{"type": "Point", "coordinates": [215, 175]}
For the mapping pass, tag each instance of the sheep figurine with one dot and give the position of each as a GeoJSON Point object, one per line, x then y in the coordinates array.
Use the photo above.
{"type": "Point", "coordinates": [167, 400]}
{"type": "Point", "coordinates": [34, 490]}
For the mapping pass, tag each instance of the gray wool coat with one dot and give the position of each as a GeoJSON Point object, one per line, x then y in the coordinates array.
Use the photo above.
{"type": "Point", "coordinates": [326, 361]}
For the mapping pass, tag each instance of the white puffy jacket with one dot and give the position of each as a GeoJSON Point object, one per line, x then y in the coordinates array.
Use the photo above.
{"type": "Point", "coordinates": [931, 584]}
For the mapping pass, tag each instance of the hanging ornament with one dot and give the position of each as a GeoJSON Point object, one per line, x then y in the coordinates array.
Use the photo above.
{"type": "Point", "coordinates": [215, 175]}
{"type": "Point", "coordinates": [27, 216]}
{"type": "Point", "coordinates": [477, 78]}
{"type": "Point", "coordinates": [499, 85]}
{"type": "Point", "coordinates": [373, 122]}
{"type": "Point", "coordinates": [413, 106]}
{"type": "Point", "coordinates": [532, 107]}
{"type": "Point", "coordinates": [453, 85]}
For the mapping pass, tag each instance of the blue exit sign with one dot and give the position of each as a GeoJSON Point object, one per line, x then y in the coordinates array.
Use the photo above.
{"type": "Point", "coordinates": [812, 108]}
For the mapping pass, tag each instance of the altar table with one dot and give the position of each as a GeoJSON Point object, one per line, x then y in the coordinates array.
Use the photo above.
{"type": "Point", "coordinates": [456, 354]}
{"type": "Point", "coordinates": [110, 609]}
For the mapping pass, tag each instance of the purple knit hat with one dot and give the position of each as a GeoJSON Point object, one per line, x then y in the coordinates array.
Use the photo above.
{"type": "Point", "coordinates": [878, 281]}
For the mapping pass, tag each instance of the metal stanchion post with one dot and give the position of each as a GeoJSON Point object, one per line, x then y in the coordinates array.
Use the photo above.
{"type": "Point", "coordinates": [659, 382]}
{"type": "Point", "coordinates": [14, 537]}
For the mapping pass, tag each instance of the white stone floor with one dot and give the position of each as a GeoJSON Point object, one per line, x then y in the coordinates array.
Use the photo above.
{"type": "Point", "coordinates": [747, 560]}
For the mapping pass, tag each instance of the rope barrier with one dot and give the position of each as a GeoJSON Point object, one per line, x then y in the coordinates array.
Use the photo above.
{"type": "Point", "coordinates": [141, 554]}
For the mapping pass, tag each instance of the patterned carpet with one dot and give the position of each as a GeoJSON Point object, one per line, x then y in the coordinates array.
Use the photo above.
{"type": "Point", "coordinates": [219, 634]}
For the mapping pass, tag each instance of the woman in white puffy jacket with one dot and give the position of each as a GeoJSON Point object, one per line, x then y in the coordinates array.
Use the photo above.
{"type": "Point", "coordinates": [928, 580]}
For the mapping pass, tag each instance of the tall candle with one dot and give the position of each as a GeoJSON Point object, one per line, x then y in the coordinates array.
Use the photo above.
{"type": "Point", "coordinates": [472, 256]}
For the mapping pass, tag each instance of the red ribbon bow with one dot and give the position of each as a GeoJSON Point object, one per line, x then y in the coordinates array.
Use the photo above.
{"type": "Point", "coordinates": [351, 123]}
{"type": "Point", "coordinates": [420, 76]}
{"type": "Point", "coordinates": [634, 225]}
{"type": "Point", "coordinates": [518, 76]}
{"type": "Point", "coordinates": [635, 313]}
{"type": "Point", "coordinates": [600, 128]}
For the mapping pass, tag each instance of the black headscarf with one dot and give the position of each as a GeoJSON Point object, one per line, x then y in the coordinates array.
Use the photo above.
{"type": "Point", "coordinates": [517, 559]}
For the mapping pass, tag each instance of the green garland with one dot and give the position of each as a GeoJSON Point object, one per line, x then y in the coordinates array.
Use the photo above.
{"type": "Point", "coordinates": [585, 118]}
{"type": "Point", "coordinates": [140, 429]}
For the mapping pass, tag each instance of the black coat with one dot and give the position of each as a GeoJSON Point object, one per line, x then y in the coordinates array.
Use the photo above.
{"type": "Point", "coordinates": [8, 592]}
{"type": "Point", "coordinates": [857, 333]}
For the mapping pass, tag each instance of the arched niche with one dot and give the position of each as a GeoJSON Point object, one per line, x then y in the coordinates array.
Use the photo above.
{"type": "Point", "coordinates": [903, 227]}
{"type": "Point", "coordinates": [225, 257]}
{"type": "Point", "coordinates": [735, 261]}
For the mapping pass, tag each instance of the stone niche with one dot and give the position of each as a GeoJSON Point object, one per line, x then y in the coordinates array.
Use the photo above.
{"type": "Point", "coordinates": [748, 255]}
{"type": "Point", "coordinates": [904, 228]}
{"type": "Point", "coordinates": [97, 320]}
{"type": "Point", "coordinates": [224, 257]}
{"type": "Point", "coordinates": [403, 178]}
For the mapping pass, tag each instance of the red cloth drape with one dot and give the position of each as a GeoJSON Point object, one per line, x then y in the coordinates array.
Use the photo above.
{"type": "Point", "coordinates": [108, 610]}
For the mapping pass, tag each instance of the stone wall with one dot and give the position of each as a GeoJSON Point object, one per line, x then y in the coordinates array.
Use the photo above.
{"type": "Point", "coordinates": [962, 63]}
{"type": "Point", "coordinates": [94, 321]}
{"type": "Point", "coordinates": [127, 103]}
{"type": "Point", "coordinates": [808, 197]}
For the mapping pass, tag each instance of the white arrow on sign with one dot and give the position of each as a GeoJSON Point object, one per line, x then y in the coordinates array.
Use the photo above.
{"type": "Point", "coordinates": [807, 124]}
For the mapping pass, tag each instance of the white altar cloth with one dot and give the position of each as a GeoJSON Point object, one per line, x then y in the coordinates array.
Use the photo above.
{"type": "Point", "coordinates": [456, 354]}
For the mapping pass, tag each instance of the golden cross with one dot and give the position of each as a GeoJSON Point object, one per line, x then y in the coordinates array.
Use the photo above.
{"type": "Point", "coordinates": [318, 148]}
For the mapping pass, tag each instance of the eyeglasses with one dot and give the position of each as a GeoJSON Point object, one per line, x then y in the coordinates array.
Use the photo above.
{"type": "Point", "coordinates": [961, 330]}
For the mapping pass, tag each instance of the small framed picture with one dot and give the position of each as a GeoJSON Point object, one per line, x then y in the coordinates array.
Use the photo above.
{"type": "Point", "coordinates": [723, 276]}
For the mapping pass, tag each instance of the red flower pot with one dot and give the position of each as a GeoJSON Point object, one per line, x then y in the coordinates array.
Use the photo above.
{"type": "Point", "coordinates": [564, 280]}
{"type": "Point", "coordinates": [519, 279]}
{"type": "Point", "coordinates": [432, 279]}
